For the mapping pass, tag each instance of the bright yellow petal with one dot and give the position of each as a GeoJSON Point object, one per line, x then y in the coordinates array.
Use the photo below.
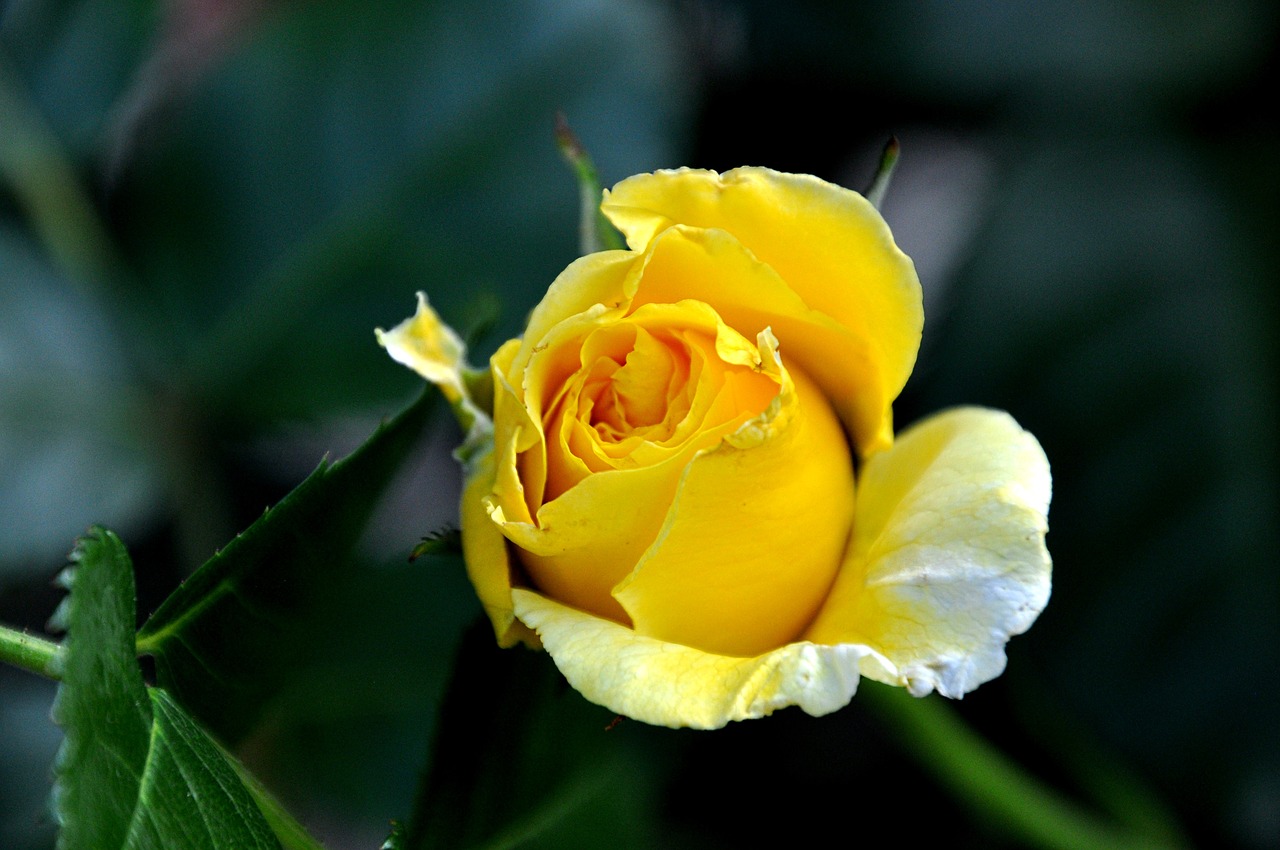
{"type": "Point", "coordinates": [714, 267]}
{"type": "Point", "coordinates": [581, 544]}
{"type": "Point", "coordinates": [598, 278]}
{"type": "Point", "coordinates": [829, 244]}
{"type": "Point", "coordinates": [668, 684]}
{"type": "Point", "coordinates": [755, 533]}
{"type": "Point", "coordinates": [948, 558]}
{"type": "Point", "coordinates": [588, 539]}
{"type": "Point", "coordinates": [485, 551]}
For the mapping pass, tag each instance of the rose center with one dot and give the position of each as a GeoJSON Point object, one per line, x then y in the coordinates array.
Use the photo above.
{"type": "Point", "coordinates": [635, 397]}
{"type": "Point", "coordinates": [648, 393]}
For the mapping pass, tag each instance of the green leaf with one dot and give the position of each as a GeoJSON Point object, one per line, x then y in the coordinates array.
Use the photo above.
{"type": "Point", "coordinates": [190, 796]}
{"type": "Point", "coordinates": [291, 834]}
{"type": "Point", "coordinates": [241, 604]}
{"type": "Point", "coordinates": [135, 771]}
{"type": "Point", "coordinates": [102, 704]}
{"type": "Point", "coordinates": [522, 760]}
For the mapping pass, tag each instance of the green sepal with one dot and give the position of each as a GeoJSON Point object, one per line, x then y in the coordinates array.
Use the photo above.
{"type": "Point", "coordinates": [595, 233]}
{"type": "Point", "coordinates": [884, 173]}
{"type": "Point", "coordinates": [446, 541]}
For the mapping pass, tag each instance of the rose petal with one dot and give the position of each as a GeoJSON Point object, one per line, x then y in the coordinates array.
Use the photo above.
{"type": "Point", "coordinates": [667, 684]}
{"type": "Point", "coordinates": [713, 266]}
{"type": "Point", "coordinates": [484, 550]}
{"type": "Point", "coordinates": [947, 559]}
{"type": "Point", "coordinates": [581, 544]}
{"type": "Point", "coordinates": [828, 243]}
{"type": "Point", "coordinates": [785, 480]}
{"type": "Point", "coordinates": [598, 278]}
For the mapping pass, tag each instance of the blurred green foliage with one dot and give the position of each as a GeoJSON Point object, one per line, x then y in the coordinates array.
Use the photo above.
{"type": "Point", "coordinates": [1089, 190]}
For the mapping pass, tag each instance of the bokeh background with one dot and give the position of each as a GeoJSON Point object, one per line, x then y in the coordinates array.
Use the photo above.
{"type": "Point", "coordinates": [1089, 190]}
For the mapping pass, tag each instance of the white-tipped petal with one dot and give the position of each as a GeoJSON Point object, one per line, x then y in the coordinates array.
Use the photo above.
{"type": "Point", "coordinates": [948, 557]}
{"type": "Point", "coordinates": [667, 684]}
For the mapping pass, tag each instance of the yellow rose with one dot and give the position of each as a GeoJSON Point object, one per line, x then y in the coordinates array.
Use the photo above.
{"type": "Point", "coordinates": [682, 481]}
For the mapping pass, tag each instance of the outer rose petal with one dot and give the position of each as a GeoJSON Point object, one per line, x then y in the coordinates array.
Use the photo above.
{"type": "Point", "coordinates": [828, 243]}
{"type": "Point", "coordinates": [667, 684]}
{"type": "Point", "coordinates": [947, 558]}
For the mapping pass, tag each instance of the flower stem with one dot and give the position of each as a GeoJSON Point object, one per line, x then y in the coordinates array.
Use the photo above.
{"type": "Point", "coordinates": [35, 654]}
{"type": "Point", "coordinates": [991, 783]}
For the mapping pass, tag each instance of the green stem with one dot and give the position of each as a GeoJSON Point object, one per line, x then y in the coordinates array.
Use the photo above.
{"type": "Point", "coordinates": [991, 783]}
{"type": "Point", "coordinates": [1112, 785]}
{"type": "Point", "coordinates": [35, 654]}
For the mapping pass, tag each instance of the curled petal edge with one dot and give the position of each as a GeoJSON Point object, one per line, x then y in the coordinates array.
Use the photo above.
{"type": "Point", "coordinates": [948, 558]}
{"type": "Point", "coordinates": [429, 347]}
{"type": "Point", "coordinates": [859, 278]}
{"type": "Point", "coordinates": [667, 684]}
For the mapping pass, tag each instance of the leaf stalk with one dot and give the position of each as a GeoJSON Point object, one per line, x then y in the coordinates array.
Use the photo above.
{"type": "Point", "coordinates": [31, 653]}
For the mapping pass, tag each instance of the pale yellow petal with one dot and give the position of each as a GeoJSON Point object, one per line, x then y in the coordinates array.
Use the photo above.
{"type": "Point", "coordinates": [829, 244]}
{"type": "Point", "coordinates": [434, 350]}
{"type": "Point", "coordinates": [667, 684]}
{"type": "Point", "coordinates": [429, 347]}
{"type": "Point", "coordinates": [948, 557]}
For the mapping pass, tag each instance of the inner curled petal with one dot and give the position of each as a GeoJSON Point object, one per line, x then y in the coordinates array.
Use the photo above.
{"type": "Point", "coordinates": [647, 392]}
{"type": "Point", "coordinates": [616, 444]}
{"type": "Point", "coordinates": [639, 393]}
{"type": "Point", "coordinates": [756, 531]}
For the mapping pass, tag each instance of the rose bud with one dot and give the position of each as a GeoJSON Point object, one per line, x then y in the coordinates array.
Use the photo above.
{"type": "Point", "coordinates": [683, 481]}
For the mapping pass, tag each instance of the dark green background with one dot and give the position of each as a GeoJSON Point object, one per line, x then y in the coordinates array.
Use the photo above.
{"type": "Point", "coordinates": [1089, 190]}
